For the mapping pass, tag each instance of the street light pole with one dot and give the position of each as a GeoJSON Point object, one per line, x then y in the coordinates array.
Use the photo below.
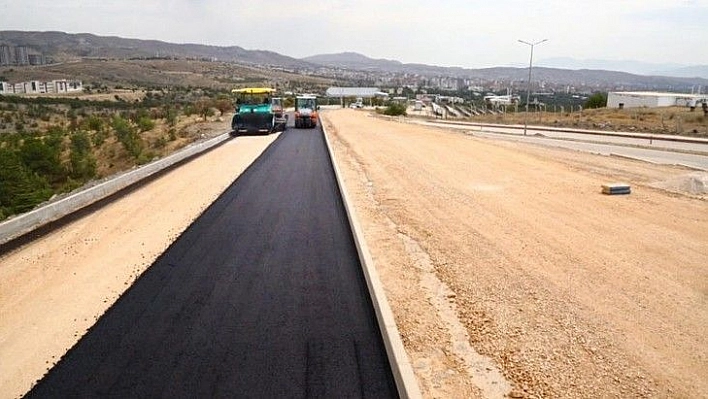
{"type": "Point", "coordinates": [528, 88]}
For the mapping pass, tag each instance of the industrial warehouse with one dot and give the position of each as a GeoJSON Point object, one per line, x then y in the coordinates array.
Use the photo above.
{"type": "Point", "coordinates": [636, 99]}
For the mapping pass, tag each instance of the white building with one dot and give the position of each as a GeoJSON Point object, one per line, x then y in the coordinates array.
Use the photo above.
{"type": "Point", "coordinates": [628, 99]}
{"type": "Point", "coordinates": [355, 92]}
{"type": "Point", "coordinates": [7, 88]}
{"type": "Point", "coordinates": [31, 87]}
{"type": "Point", "coordinates": [363, 92]}
{"type": "Point", "coordinates": [37, 87]}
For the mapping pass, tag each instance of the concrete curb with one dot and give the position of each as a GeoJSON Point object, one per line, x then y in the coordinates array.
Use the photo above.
{"type": "Point", "coordinates": [403, 374]}
{"type": "Point", "coordinates": [27, 222]}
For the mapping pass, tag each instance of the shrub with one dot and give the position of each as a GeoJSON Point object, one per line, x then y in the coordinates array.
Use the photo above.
{"type": "Point", "coordinates": [224, 105]}
{"type": "Point", "coordinates": [93, 122]}
{"type": "Point", "coordinates": [597, 100]}
{"type": "Point", "coordinates": [99, 138]}
{"type": "Point", "coordinates": [145, 123]}
{"type": "Point", "coordinates": [203, 107]}
{"type": "Point", "coordinates": [395, 109]}
{"type": "Point", "coordinates": [189, 110]}
{"type": "Point", "coordinates": [21, 189]}
{"type": "Point", "coordinates": [83, 163]}
{"type": "Point", "coordinates": [145, 157]}
{"type": "Point", "coordinates": [126, 135]}
{"type": "Point", "coordinates": [170, 116]}
{"type": "Point", "coordinates": [160, 142]}
{"type": "Point", "coordinates": [43, 158]}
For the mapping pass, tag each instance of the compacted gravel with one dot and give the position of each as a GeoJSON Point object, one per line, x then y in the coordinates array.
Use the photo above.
{"type": "Point", "coordinates": [509, 272]}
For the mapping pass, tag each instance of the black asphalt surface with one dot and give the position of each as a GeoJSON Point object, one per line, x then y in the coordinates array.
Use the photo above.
{"type": "Point", "coordinates": [261, 297]}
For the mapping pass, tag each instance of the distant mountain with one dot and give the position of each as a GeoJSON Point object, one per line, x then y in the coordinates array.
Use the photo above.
{"type": "Point", "coordinates": [359, 62]}
{"type": "Point", "coordinates": [634, 67]}
{"type": "Point", "coordinates": [580, 77]}
{"type": "Point", "coordinates": [61, 46]}
{"type": "Point", "coordinates": [687, 72]}
{"type": "Point", "coordinates": [350, 60]}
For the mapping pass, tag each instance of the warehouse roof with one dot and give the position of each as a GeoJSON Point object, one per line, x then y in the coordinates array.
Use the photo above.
{"type": "Point", "coordinates": [363, 92]}
{"type": "Point", "coordinates": [656, 94]}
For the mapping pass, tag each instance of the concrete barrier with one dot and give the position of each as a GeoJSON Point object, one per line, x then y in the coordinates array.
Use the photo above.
{"type": "Point", "coordinates": [27, 222]}
{"type": "Point", "coordinates": [403, 374]}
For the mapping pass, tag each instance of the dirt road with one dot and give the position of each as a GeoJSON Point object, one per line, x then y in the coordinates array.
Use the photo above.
{"type": "Point", "coordinates": [504, 263]}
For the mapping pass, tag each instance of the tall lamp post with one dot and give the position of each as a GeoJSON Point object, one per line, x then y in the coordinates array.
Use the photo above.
{"type": "Point", "coordinates": [528, 88]}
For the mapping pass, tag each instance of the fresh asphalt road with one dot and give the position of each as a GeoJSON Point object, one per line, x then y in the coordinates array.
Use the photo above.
{"type": "Point", "coordinates": [261, 297]}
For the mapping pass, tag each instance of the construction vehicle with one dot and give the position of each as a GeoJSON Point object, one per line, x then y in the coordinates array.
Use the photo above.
{"type": "Point", "coordinates": [359, 103]}
{"type": "Point", "coordinates": [254, 111]}
{"type": "Point", "coordinates": [280, 118]}
{"type": "Point", "coordinates": [306, 111]}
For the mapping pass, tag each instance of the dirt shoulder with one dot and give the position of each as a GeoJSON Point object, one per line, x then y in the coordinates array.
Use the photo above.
{"type": "Point", "coordinates": [569, 293]}
{"type": "Point", "coordinates": [53, 290]}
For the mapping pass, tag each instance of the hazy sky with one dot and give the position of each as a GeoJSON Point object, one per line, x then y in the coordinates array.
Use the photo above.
{"type": "Point", "coordinates": [451, 33]}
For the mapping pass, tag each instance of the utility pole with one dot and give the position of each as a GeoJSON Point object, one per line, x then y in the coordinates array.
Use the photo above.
{"type": "Point", "coordinates": [528, 88]}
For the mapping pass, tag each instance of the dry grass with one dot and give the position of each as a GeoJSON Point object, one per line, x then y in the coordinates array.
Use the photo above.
{"type": "Point", "coordinates": [112, 95]}
{"type": "Point", "coordinates": [112, 157]}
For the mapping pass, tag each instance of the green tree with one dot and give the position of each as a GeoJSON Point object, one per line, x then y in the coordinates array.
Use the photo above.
{"type": "Point", "coordinates": [43, 158]}
{"type": "Point", "coordinates": [128, 136]}
{"type": "Point", "coordinates": [597, 100]}
{"type": "Point", "coordinates": [83, 163]}
{"type": "Point", "coordinates": [204, 108]}
{"type": "Point", "coordinates": [170, 115]}
{"type": "Point", "coordinates": [20, 189]}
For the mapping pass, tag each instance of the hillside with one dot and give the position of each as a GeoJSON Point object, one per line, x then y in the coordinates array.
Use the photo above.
{"type": "Point", "coordinates": [61, 47]}
{"type": "Point", "coordinates": [162, 73]}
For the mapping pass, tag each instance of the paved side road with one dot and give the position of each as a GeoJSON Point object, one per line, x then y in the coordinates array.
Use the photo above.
{"type": "Point", "coordinates": [661, 149]}
{"type": "Point", "coordinates": [262, 296]}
